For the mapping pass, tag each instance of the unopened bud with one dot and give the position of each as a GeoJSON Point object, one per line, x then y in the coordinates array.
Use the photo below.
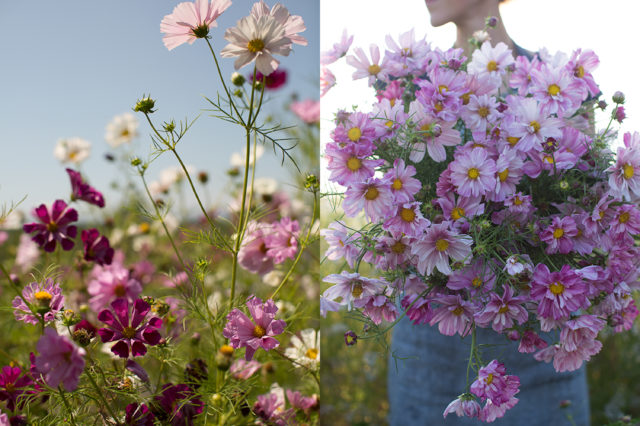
{"type": "Point", "coordinates": [237, 79]}
{"type": "Point", "coordinates": [491, 21]}
{"type": "Point", "coordinates": [203, 177]}
{"type": "Point", "coordinates": [145, 105]}
{"type": "Point", "coordinates": [618, 97]}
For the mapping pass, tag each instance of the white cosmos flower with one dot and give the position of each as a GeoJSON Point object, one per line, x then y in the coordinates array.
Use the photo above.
{"type": "Point", "coordinates": [293, 24]}
{"type": "Point", "coordinates": [72, 150]}
{"type": "Point", "coordinates": [257, 39]}
{"type": "Point", "coordinates": [122, 129]}
{"type": "Point", "coordinates": [305, 349]}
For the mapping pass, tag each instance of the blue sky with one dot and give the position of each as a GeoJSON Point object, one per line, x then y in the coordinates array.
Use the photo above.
{"type": "Point", "coordinates": [70, 66]}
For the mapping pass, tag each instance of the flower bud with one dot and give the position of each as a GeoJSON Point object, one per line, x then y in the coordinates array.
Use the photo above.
{"type": "Point", "coordinates": [136, 162]}
{"type": "Point", "coordinates": [311, 183]}
{"type": "Point", "coordinates": [82, 337]}
{"type": "Point", "coordinates": [203, 177]}
{"type": "Point", "coordinates": [145, 105]}
{"type": "Point", "coordinates": [170, 126]}
{"type": "Point", "coordinates": [619, 114]}
{"type": "Point", "coordinates": [350, 338]}
{"type": "Point", "coordinates": [602, 105]}
{"type": "Point", "coordinates": [70, 318]}
{"type": "Point", "coordinates": [237, 79]}
{"type": "Point", "coordinates": [491, 21]}
{"type": "Point", "coordinates": [618, 97]}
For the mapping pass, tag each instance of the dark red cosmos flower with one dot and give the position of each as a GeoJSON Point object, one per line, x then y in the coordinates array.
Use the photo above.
{"type": "Point", "coordinates": [13, 386]}
{"type": "Point", "coordinates": [80, 190]}
{"type": "Point", "coordinates": [138, 415]}
{"type": "Point", "coordinates": [96, 247]}
{"type": "Point", "coordinates": [54, 227]}
{"type": "Point", "coordinates": [131, 334]}
{"type": "Point", "coordinates": [178, 404]}
{"type": "Point", "coordinates": [273, 81]}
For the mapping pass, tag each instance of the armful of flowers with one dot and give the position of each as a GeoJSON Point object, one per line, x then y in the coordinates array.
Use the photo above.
{"type": "Point", "coordinates": [489, 201]}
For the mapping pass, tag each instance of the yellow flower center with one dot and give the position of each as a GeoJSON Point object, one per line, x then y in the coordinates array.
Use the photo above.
{"type": "Point", "coordinates": [465, 98]}
{"type": "Point", "coordinates": [492, 66]}
{"type": "Point", "coordinates": [256, 45]}
{"type": "Point", "coordinates": [372, 193]}
{"type": "Point", "coordinates": [503, 309]}
{"type": "Point", "coordinates": [489, 379]}
{"type": "Point", "coordinates": [624, 217]}
{"type": "Point", "coordinates": [259, 331]}
{"type": "Point", "coordinates": [513, 140]}
{"type": "Point", "coordinates": [558, 233]}
{"type": "Point", "coordinates": [52, 226]}
{"type": "Point", "coordinates": [473, 173]}
{"type": "Point", "coordinates": [438, 106]}
{"type": "Point", "coordinates": [397, 184]}
{"type": "Point", "coordinates": [144, 227]}
{"type": "Point", "coordinates": [535, 126]}
{"type": "Point", "coordinates": [548, 159]}
{"type": "Point", "coordinates": [457, 311]}
{"type": "Point", "coordinates": [43, 296]}
{"type": "Point", "coordinates": [503, 175]}
{"type": "Point", "coordinates": [517, 201]}
{"type": "Point", "coordinates": [354, 164]}
{"type": "Point", "coordinates": [628, 171]}
{"type": "Point", "coordinates": [124, 133]}
{"type": "Point", "coordinates": [354, 134]}
{"type": "Point", "coordinates": [398, 247]}
{"type": "Point", "coordinates": [476, 282]}
{"type": "Point", "coordinates": [483, 112]}
{"type": "Point", "coordinates": [73, 155]}
{"type": "Point", "coordinates": [579, 71]}
{"type": "Point", "coordinates": [556, 288]}
{"type": "Point", "coordinates": [457, 213]}
{"type": "Point", "coordinates": [601, 214]}
{"type": "Point", "coordinates": [129, 332]}
{"type": "Point", "coordinates": [10, 387]}
{"type": "Point", "coordinates": [311, 353]}
{"type": "Point", "coordinates": [356, 290]}
{"type": "Point", "coordinates": [442, 245]}
{"type": "Point", "coordinates": [408, 215]}
{"type": "Point", "coordinates": [442, 88]}
{"type": "Point", "coordinates": [226, 350]}
{"type": "Point", "coordinates": [374, 69]}
{"type": "Point", "coordinates": [553, 90]}
{"type": "Point", "coordinates": [389, 123]}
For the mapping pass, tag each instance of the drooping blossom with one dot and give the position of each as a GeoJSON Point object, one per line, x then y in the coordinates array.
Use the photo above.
{"type": "Point", "coordinates": [242, 332]}
{"type": "Point", "coordinates": [377, 308]}
{"type": "Point", "coordinates": [55, 226]}
{"type": "Point", "coordinates": [80, 190]}
{"type": "Point", "coordinates": [131, 331]}
{"type": "Point", "coordinates": [121, 129]}
{"type": "Point", "coordinates": [578, 342]}
{"type": "Point", "coordinates": [72, 150]}
{"type": "Point", "coordinates": [497, 389]}
{"type": "Point", "coordinates": [109, 284]}
{"type": "Point", "coordinates": [60, 361]}
{"type": "Point", "coordinates": [464, 405]}
{"type": "Point", "coordinates": [191, 20]}
{"type": "Point", "coordinates": [96, 247]}
{"type": "Point", "coordinates": [46, 299]}
{"type": "Point", "coordinates": [177, 405]}
{"type": "Point", "coordinates": [437, 246]}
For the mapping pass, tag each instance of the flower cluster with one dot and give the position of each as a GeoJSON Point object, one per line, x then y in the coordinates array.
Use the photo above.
{"type": "Point", "coordinates": [489, 201]}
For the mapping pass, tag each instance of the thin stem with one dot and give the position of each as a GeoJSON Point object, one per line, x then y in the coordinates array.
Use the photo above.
{"type": "Point", "coordinates": [233, 105]}
{"type": "Point", "coordinates": [471, 354]}
{"type": "Point", "coordinates": [102, 398]}
{"type": "Point", "coordinates": [264, 78]}
{"type": "Point", "coordinates": [66, 405]}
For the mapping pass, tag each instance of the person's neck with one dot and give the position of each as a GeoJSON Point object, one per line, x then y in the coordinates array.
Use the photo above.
{"type": "Point", "coordinates": [470, 24]}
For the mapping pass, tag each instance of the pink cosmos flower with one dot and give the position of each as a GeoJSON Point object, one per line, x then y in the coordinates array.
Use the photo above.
{"type": "Point", "coordinates": [473, 173]}
{"type": "Point", "coordinates": [520, 78]}
{"type": "Point", "coordinates": [54, 227]}
{"type": "Point", "coordinates": [558, 235]}
{"type": "Point", "coordinates": [80, 190]}
{"type": "Point", "coordinates": [403, 185]}
{"type": "Point", "coordinates": [476, 277]}
{"type": "Point", "coordinates": [497, 388]}
{"type": "Point", "coordinates": [531, 342]}
{"type": "Point", "coordinates": [580, 65]}
{"type": "Point", "coordinates": [490, 60]}
{"type": "Point", "coordinates": [464, 405]}
{"type": "Point", "coordinates": [458, 209]}
{"type": "Point", "coordinates": [242, 369]}
{"type": "Point", "coordinates": [109, 284]}
{"type": "Point", "coordinates": [350, 287]}
{"type": "Point", "coordinates": [338, 50]}
{"type": "Point", "coordinates": [436, 134]}
{"type": "Point", "coordinates": [307, 110]}
{"type": "Point", "coordinates": [348, 165]}
{"type": "Point", "coordinates": [253, 252]}
{"type": "Point", "coordinates": [60, 361]}
{"type": "Point", "coordinates": [242, 332]}
{"type": "Point", "coordinates": [624, 177]}
{"type": "Point", "coordinates": [395, 251]}
{"type": "Point", "coordinates": [273, 81]}
{"type": "Point", "coordinates": [418, 309]}
{"type": "Point", "coordinates": [517, 264]}
{"type": "Point", "coordinates": [437, 246]}
{"type": "Point", "coordinates": [503, 312]}
{"type": "Point", "coordinates": [357, 128]}
{"type": "Point", "coordinates": [626, 219]}
{"type": "Point", "coordinates": [508, 175]}
{"type": "Point", "coordinates": [558, 293]}
{"type": "Point", "coordinates": [578, 342]}
{"type": "Point", "coordinates": [557, 92]}
{"type": "Point", "coordinates": [407, 55]}
{"type": "Point", "coordinates": [377, 308]}
{"type": "Point", "coordinates": [408, 220]}
{"type": "Point", "coordinates": [531, 125]}
{"type": "Point", "coordinates": [257, 39]}
{"type": "Point", "coordinates": [371, 69]}
{"type": "Point", "coordinates": [374, 195]}
{"type": "Point", "coordinates": [27, 254]}
{"type": "Point", "coordinates": [327, 80]}
{"type": "Point", "coordinates": [454, 315]}
{"type": "Point", "coordinates": [96, 247]}
{"type": "Point", "coordinates": [481, 112]}
{"type": "Point", "coordinates": [131, 333]}
{"type": "Point", "coordinates": [282, 242]}
{"type": "Point", "coordinates": [191, 20]}
{"type": "Point", "coordinates": [341, 244]}
{"type": "Point", "coordinates": [15, 387]}
{"type": "Point", "coordinates": [46, 299]}
{"type": "Point", "coordinates": [300, 402]}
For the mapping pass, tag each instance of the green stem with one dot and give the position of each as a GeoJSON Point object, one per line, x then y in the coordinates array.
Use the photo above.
{"type": "Point", "coordinates": [66, 405]}
{"type": "Point", "coordinates": [471, 354]}
{"type": "Point", "coordinates": [102, 398]}
{"type": "Point", "coordinates": [233, 105]}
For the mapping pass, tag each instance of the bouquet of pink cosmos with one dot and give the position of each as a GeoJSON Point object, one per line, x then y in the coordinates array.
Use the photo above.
{"type": "Point", "coordinates": [489, 201]}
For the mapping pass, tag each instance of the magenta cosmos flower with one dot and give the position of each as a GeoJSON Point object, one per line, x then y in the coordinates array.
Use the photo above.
{"type": "Point", "coordinates": [558, 293]}
{"type": "Point", "coordinates": [109, 284]}
{"type": "Point", "coordinates": [503, 312]}
{"type": "Point", "coordinates": [191, 20]}
{"type": "Point", "coordinates": [46, 298]}
{"type": "Point", "coordinates": [54, 227]}
{"type": "Point", "coordinates": [15, 386]}
{"type": "Point", "coordinates": [80, 190]}
{"type": "Point", "coordinates": [96, 247]}
{"type": "Point", "coordinates": [439, 244]}
{"type": "Point", "coordinates": [130, 333]}
{"type": "Point", "coordinates": [559, 234]}
{"type": "Point", "coordinates": [178, 405]}
{"type": "Point", "coordinates": [60, 361]}
{"type": "Point", "coordinates": [242, 332]}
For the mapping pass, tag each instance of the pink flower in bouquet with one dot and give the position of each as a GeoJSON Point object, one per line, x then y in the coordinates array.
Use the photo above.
{"type": "Point", "coordinates": [491, 60]}
{"type": "Point", "coordinates": [418, 309]}
{"type": "Point", "coordinates": [394, 251]}
{"type": "Point", "coordinates": [558, 293]}
{"type": "Point", "coordinates": [438, 245]}
{"type": "Point", "coordinates": [327, 80]}
{"type": "Point", "coordinates": [96, 247]}
{"type": "Point", "coordinates": [624, 177]}
{"type": "Point", "coordinates": [517, 264]}
{"type": "Point", "coordinates": [503, 312]}
{"type": "Point", "coordinates": [131, 333]}
{"type": "Point", "coordinates": [559, 235]}
{"type": "Point", "coordinates": [377, 308]}
{"type": "Point", "coordinates": [464, 405]}
{"type": "Point", "coordinates": [481, 112]}
{"type": "Point", "coordinates": [372, 69]}
{"type": "Point", "coordinates": [403, 185]}
{"type": "Point", "coordinates": [393, 94]}
{"type": "Point", "coordinates": [473, 173]}
{"type": "Point", "coordinates": [509, 172]}
{"type": "Point", "coordinates": [520, 78]}
{"type": "Point", "coordinates": [258, 37]}
{"type": "Point", "coordinates": [557, 91]}
{"type": "Point", "coordinates": [454, 315]}
{"type": "Point", "coordinates": [458, 209]}
{"type": "Point", "coordinates": [407, 56]}
{"type": "Point", "coordinates": [253, 252]}
{"type": "Point", "coordinates": [282, 241]}
{"type": "Point", "coordinates": [45, 297]}
{"type": "Point", "coordinates": [350, 287]}
{"type": "Point", "coordinates": [531, 125]}
{"type": "Point", "coordinates": [60, 361]}
{"type": "Point", "coordinates": [580, 65]}
{"type": "Point", "coordinates": [497, 388]}
{"type": "Point", "coordinates": [307, 110]}
{"type": "Point", "coordinates": [55, 226]}
{"type": "Point", "coordinates": [358, 128]}
{"type": "Point", "coordinates": [626, 220]}
{"type": "Point", "coordinates": [349, 165]}
{"type": "Point", "coordinates": [338, 50]}
{"type": "Point", "coordinates": [242, 369]}
{"type": "Point", "coordinates": [578, 342]}
{"type": "Point", "coordinates": [109, 284]}
{"type": "Point", "coordinates": [408, 220]}
{"type": "Point", "coordinates": [341, 244]}
{"type": "Point", "coordinates": [270, 408]}
{"type": "Point", "coordinates": [242, 332]}
{"type": "Point", "coordinates": [178, 404]}
{"type": "Point", "coordinates": [624, 319]}
{"type": "Point", "coordinates": [191, 20]}
{"type": "Point", "coordinates": [15, 387]}
{"type": "Point", "coordinates": [80, 190]}
{"type": "Point", "coordinates": [531, 342]}
{"type": "Point", "coordinates": [477, 277]}
{"type": "Point", "coordinates": [374, 195]}
{"type": "Point", "coordinates": [437, 134]}
{"type": "Point", "coordinates": [301, 402]}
